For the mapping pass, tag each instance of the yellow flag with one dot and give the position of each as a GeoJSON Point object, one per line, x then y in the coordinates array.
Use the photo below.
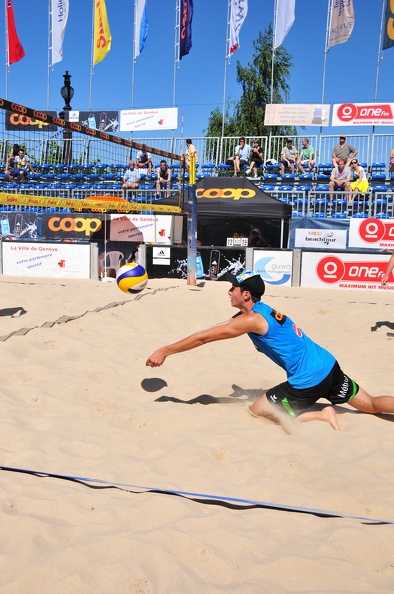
{"type": "Point", "coordinates": [102, 34]}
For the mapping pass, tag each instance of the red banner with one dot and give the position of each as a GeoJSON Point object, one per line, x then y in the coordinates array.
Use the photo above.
{"type": "Point", "coordinates": [15, 49]}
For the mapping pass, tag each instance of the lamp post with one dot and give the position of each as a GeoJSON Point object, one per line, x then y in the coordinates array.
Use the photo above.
{"type": "Point", "coordinates": [67, 92]}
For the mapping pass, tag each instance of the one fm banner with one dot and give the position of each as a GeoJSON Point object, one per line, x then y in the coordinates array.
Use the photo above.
{"type": "Point", "coordinates": [345, 271]}
{"type": "Point", "coordinates": [53, 260]}
{"type": "Point", "coordinates": [148, 119]}
{"type": "Point", "coordinates": [274, 267]}
{"type": "Point", "coordinates": [363, 114]}
{"type": "Point", "coordinates": [371, 233]}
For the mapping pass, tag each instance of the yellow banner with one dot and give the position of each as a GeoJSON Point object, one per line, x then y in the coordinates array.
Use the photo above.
{"type": "Point", "coordinates": [102, 34]}
{"type": "Point", "coordinates": [103, 204]}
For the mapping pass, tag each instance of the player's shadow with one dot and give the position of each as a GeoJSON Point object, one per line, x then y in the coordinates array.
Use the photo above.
{"type": "Point", "coordinates": [13, 312]}
{"type": "Point", "coordinates": [239, 394]}
{"type": "Point", "coordinates": [380, 324]}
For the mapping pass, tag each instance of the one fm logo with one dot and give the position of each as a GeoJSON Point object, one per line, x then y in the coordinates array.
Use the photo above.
{"type": "Point", "coordinates": [332, 269]}
{"type": "Point", "coordinates": [376, 111]}
{"type": "Point", "coordinates": [373, 230]}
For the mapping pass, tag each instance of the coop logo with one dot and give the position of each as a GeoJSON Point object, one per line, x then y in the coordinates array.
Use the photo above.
{"type": "Point", "coordinates": [375, 230]}
{"type": "Point", "coordinates": [234, 193]}
{"type": "Point", "coordinates": [315, 233]}
{"type": "Point", "coordinates": [77, 225]}
{"type": "Point", "coordinates": [364, 111]}
{"type": "Point", "coordinates": [332, 269]}
{"type": "Point", "coordinates": [17, 119]}
{"type": "Point", "coordinates": [267, 267]}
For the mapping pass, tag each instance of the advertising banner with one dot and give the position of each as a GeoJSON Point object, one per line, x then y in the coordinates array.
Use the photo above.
{"type": "Point", "coordinates": [363, 114]}
{"type": "Point", "coordinates": [371, 233]}
{"type": "Point", "coordinates": [274, 267]}
{"type": "Point", "coordinates": [344, 271]}
{"type": "Point", "coordinates": [14, 120]}
{"type": "Point", "coordinates": [70, 226]}
{"type": "Point", "coordinates": [320, 239]}
{"type": "Point", "coordinates": [146, 228]}
{"type": "Point", "coordinates": [148, 119]}
{"type": "Point", "coordinates": [18, 225]}
{"type": "Point", "coordinates": [297, 114]}
{"type": "Point", "coordinates": [106, 121]}
{"type": "Point", "coordinates": [46, 259]}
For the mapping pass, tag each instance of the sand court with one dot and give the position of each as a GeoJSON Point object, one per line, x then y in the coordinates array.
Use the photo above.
{"type": "Point", "coordinates": [78, 401]}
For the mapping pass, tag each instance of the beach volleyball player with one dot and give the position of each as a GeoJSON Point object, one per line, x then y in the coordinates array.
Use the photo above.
{"type": "Point", "coordinates": [312, 371]}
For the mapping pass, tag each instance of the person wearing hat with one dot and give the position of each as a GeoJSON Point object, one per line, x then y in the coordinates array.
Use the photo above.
{"type": "Point", "coordinates": [289, 156]}
{"type": "Point", "coordinates": [312, 371]}
{"type": "Point", "coordinates": [344, 151]}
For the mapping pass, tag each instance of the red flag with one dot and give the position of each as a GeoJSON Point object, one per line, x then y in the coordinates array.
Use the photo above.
{"type": "Point", "coordinates": [15, 49]}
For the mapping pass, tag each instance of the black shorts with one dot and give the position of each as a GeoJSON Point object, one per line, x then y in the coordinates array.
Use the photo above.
{"type": "Point", "coordinates": [337, 388]}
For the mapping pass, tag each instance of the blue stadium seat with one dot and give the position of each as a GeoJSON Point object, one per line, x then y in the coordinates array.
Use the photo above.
{"type": "Point", "coordinates": [303, 176]}
{"type": "Point", "coordinates": [339, 215]}
{"type": "Point", "coordinates": [267, 188]}
{"type": "Point", "coordinates": [379, 189]}
{"type": "Point", "coordinates": [303, 188]}
{"type": "Point", "coordinates": [288, 176]}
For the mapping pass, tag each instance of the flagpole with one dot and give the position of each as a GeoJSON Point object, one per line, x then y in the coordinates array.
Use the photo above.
{"type": "Point", "coordinates": [6, 49]}
{"type": "Point", "coordinates": [328, 27]}
{"type": "Point", "coordinates": [273, 51]}
{"type": "Point", "coordinates": [380, 56]}
{"type": "Point", "coordinates": [226, 58]}
{"type": "Point", "coordinates": [49, 51]}
{"type": "Point", "coordinates": [176, 47]}
{"type": "Point", "coordinates": [134, 59]}
{"type": "Point", "coordinates": [91, 61]}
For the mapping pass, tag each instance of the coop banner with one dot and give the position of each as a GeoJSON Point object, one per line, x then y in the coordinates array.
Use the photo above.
{"type": "Point", "coordinates": [371, 233]}
{"type": "Point", "coordinates": [53, 260]}
{"type": "Point", "coordinates": [105, 121]}
{"type": "Point", "coordinates": [297, 114]}
{"type": "Point", "coordinates": [145, 228]}
{"type": "Point", "coordinates": [70, 226]}
{"type": "Point", "coordinates": [15, 120]}
{"type": "Point", "coordinates": [148, 119]}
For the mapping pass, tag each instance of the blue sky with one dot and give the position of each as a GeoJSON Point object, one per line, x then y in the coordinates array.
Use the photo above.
{"type": "Point", "coordinates": [350, 68]}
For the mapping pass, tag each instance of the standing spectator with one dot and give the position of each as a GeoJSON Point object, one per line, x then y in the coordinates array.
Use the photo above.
{"type": "Point", "coordinates": [344, 151]}
{"type": "Point", "coordinates": [256, 158]}
{"type": "Point", "coordinates": [289, 156]}
{"type": "Point", "coordinates": [163, 177]}
{"type": "Point", "coordinates": [241, 155]}
{"type": "Point", "coordinates": [388, 270]}
{"type": "Point", "coordinates": [306, 157]}
{"type": "Point", "coordinates": [191, 151]}
{"type": "Point", "coordinates": [20, 167]}
{"type": "Point", "coordinates": [144, 160]}
{"type": "Point", "coordinates": [360, 183]}
{"type": "Point", "coordinates": [131, 177]}
{"type": "Point", "coordinates": [340, 178]}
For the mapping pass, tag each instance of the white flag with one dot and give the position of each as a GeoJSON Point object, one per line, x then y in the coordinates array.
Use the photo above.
{"type": "Point", "coordinates": [341, 21]}
{"type": "Point", "coordinates": [59, 22]}
{"type": "Point", "coordinates": [284, 19]}
{"type": "Point", "coordinates": [239, 10]}
{"type": "Point", "coordinates": [141, 26]}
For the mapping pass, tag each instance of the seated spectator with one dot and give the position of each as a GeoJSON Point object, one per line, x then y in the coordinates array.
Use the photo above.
{"type": "Point", "coordinates": [360, 183]}
{"type": "Point", "coordinates": [289, 156]}
{"type": "Point", "coordinates": [191, 151]}
{"type": "Point", "coordinates": [256, 158]}
{"type": "Point", "coordinates": [131, 177]}
{"type": "Point", "coordinates": [241, 155]}
{"type": "Point", "coordinates": [340, 178]}
{"type": "Point", "coordinates": [391, 165]}
{"type": "Point", "coordinates": [20, 166]}
{"type": "Point", "coordinates": [163, 173]}
{"type": "Point", "coordinates": [306, 156]}
{"type": "Point", "coordinates": [344, 151]}
{"type": "Point", "coordinates": [144, 160]}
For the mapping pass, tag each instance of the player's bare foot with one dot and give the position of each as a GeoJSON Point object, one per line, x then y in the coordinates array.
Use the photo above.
{"type": "Point", "coordinates": [330, 416]}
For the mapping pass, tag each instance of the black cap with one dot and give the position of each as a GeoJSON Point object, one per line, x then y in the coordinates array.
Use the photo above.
{"type": "Point", "coordinates": [248, 280]}
{"type": "Point", "coordinates": [289, 140]}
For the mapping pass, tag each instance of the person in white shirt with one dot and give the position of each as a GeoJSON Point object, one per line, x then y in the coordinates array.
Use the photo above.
{"type": "Point", "coordinates": [241, 155]}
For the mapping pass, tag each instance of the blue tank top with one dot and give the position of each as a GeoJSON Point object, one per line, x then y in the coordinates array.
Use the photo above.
{"type": "Point", "coordinates": [305, 362]}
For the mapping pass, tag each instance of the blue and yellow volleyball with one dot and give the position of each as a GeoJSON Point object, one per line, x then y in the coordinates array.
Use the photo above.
{"type": "Point", "coordinates": [132, 278]}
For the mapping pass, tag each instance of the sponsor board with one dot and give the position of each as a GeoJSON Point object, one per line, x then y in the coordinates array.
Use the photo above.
{"type": "Point", "coordinates": [105, 121]}
{"type": "Point", "coordinates": [297, 114]}
{"type": "Point", "coordinates": [363, 114]}
{"type": "Point", "coordinates": [274, 267]}
{"type": "Point", "coordinates": [320, 239]}
{"type": "Point", "coordinates": [371, 233]}
{"type": "Point", "coordinates": [14, 120]}
{"type": "Point", "coordinates": [148, 119]}
{"type": "Point", "coordinates": [345, 271]}
{"type": "Point", "coordinates": [53, 260]}
{"type": "Point", "coordinates": [146, 228]}
{"type": "Point", "coordinates": [70, 226]}
{"type": "Point", "coordinates": [161, 256]}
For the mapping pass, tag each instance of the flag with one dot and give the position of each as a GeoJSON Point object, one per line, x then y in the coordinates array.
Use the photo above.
{"type": "Point", "coordinates": [15, 49]}
{"type": "Point", "coordinates": [141, 26]}
{"type": "Point", "coordinates": [238, 12]}
{"type": "Point", "coordinates": [185, 32]}
{"type": "Point", "coordinates": [59, 22]}
{"type": "Point", "coordinates": [101, 35]}
{"type": "Point", "coordinates": [388, 33]}
{"type": "Point", "coordinates": [341, 22]}
{"type": "Point", "coordinates": [285, 16]}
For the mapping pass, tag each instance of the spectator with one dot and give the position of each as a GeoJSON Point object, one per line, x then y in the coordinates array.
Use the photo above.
{"type": "Point", "coordinates": [289, 156]}
{"type": "Point", "coordinates": [163, 173]}
{"type": "Point", "coordinates": [340, 178]}
{"type": "Point", "coordinates": [144, 160]}
{"type": "Point", "coordinates": [255, 239]}
{"type": "Point", "coordinates": [256, 158]}
{"type": "Point", "coordinates": [344, 151]}
{"type": "Point", "coordinates": [241, 155]}
{"type": "Point", "coordinates": [360, 183]}
{"type": "Point", "coordinates": [191, 151]}
{"type": "Point", "coordinates": [20, 165]}
{"type": "Point", "coordinates": [131, 177]}
{"type": "Point", "coordinates": [388, 270]}
{"type": "Point", "coordinates": [391, 166]}
{"type": "Point", "coordinates": [306, 156]}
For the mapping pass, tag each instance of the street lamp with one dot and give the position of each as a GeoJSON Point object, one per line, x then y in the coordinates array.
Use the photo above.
{"type": "Point", "coordinates": [67, 92]}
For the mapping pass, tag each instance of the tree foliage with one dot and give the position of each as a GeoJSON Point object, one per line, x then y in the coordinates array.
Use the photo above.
{"type": "Point", "coordinates": [247, 118]}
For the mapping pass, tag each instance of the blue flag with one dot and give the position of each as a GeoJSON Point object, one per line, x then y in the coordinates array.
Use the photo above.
{"type": "Point", "coordinates": [185, 30]}
{"type": "Point", "coordinates": [141, 26]}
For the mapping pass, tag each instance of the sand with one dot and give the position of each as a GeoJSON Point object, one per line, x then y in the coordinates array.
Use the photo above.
{"type": "Point", "coordinates": [78, 401]}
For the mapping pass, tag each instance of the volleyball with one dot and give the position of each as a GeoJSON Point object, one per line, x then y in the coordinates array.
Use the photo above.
{"type": "Point", "coordinates": [131, 278]}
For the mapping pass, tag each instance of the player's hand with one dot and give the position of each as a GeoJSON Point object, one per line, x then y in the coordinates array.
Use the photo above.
{"type": "Point", "coordinates": [156, 359]}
